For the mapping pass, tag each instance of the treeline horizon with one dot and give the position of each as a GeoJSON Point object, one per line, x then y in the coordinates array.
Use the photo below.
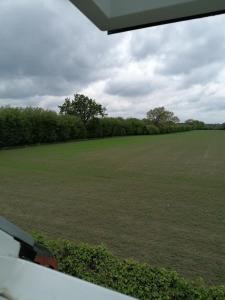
{"type": "Point", "coordinates": [27, 126]}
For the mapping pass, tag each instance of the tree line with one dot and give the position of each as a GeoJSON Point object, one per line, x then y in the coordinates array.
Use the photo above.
{"type": "Point", "coordinates": [82, 118]}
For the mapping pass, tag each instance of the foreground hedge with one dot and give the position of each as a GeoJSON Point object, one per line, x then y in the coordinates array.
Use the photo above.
{"type": "Point", "coordinates": [99, 266]}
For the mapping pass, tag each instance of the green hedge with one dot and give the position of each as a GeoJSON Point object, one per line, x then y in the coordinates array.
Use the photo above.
{"type": "Point", "coordinates": [108, 127]}
{"type": "Point", "coordinates": [27, 126]}
{"type": "Point", "coordinates": [99, 266]}
{"type": "Point", "coordinates": [223, 126]}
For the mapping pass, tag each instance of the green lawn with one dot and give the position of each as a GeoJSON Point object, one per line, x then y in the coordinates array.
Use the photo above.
{"type": "Point", "coordinates": [158, 199]}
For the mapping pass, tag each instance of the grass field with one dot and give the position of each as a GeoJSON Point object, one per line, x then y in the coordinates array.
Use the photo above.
{"type": "Point", "coordinates": [158, 199]}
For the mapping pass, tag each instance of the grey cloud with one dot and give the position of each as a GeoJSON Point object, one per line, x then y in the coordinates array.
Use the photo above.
{"type": "Point", "coordinates": [129, 88]}
{"type": "Point", "coordinates": [202, 75]}
{"type": "Point", "coordinates": [214, 105]}
{"type": "Point", "coordinates": [182, 48]}
{"type": "Point", "coordinates": [24, 87]}
{"type": "Point", "coordinates": [148, 42]}
{"type": "Point", "coordinates": [48, 47]}
{"type": "Point", "coordinates": [198, 45]}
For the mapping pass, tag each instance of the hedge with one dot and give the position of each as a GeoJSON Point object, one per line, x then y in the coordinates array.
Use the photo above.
{"type": "Point", "coordinates": [26, 126]}
{"type": "Point", "coordinates": [108, 127]}
{"type": "Point", "coordinates": [97, 265]}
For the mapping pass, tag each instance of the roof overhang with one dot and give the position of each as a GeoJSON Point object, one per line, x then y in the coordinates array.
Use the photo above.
{"type": "Point", "coordinates": [121, 15]}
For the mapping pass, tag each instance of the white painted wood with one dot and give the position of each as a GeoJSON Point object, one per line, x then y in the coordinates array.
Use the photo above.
{"type": "Point", "coordinates": [8, 246]}
{"type": "Point", "coordinates": [22, 280]}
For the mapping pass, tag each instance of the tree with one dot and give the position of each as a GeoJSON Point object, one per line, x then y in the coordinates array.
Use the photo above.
{"type": "Point", "coordinates": [83, 107]}
{"type": "Point", "coordinates": [159, 116]}
{"type": "Point", "coordinates": [196, 124]}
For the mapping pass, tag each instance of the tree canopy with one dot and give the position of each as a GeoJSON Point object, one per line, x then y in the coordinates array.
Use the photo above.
{"type": "Point", "coordinates": [83, 107]}
{"type": "Point", "coordinates": [160, 116]}
{"type": "Point", "coordinates": [196, 124]}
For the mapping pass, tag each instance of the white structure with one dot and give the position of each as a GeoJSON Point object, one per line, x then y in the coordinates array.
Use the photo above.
{"type": "Point", "coordinates": [121, 15]}
{"type": "Point", "coordinates": [23, 280]}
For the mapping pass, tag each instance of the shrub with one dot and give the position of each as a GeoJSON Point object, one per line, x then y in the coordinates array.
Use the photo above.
{"type": "Point", "coordinates": [94, 128]}
{"type": "Point", "coordinates": [27, 126]}
{"type": "Point", "coordinates": [97, 265]}
{"type": "Point", "coordinates": [152, 129]}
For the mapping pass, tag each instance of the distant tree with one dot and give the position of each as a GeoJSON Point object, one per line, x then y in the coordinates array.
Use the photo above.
{"type": "Point", "coordinates": [196, 124]}
{"type": "Point", "coordinates": [83, 107]}
{"type": "Point", "coordinates": [159, 116]}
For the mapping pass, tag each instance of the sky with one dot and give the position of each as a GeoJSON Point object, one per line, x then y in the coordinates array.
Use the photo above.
{"type": "Point", "coordinates": [50, 51]}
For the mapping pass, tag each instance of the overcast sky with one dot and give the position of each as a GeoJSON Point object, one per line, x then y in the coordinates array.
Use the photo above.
{"type": "Point", "coordinates": [49, 51]}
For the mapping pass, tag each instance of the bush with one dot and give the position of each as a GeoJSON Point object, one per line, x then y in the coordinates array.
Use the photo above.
{"type": "Point", "coordinates": [99, 266]}
{"type": "Point", "coordinates": [94, 128]}
{"type": "Point", "coordinates": [152, 129]}
{"type": "Point", "coordinates": [121, 127]}
{"type": "Point", "coordinates": [69, 128]}
{"type": "Point", "coordinates": [27, 126]}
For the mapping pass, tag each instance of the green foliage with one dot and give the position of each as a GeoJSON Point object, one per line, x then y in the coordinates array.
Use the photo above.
{"type": "Point", "coordinates": [159, 116]}
{"type": "Point", "coordinates": [214, 126]}
{"type": "Point", "coordinates": [82, 107]}
{"type": "Point", "coordinates": [27, 126]}
{"type": "Point", "coordinates": [78, 120]}
{"type": "Point", "coordinates": [69, 127]}
{"type": "Point", "coordinates": [108, 127]}
{"type": "Point", "coordinates": [152, 129]}
{"type": "Point", "coordinates": [223, 126]}
{"type": "Point", "coordinates": [195, 124]}
{"type": "Point", "coordinates": [97, 265]}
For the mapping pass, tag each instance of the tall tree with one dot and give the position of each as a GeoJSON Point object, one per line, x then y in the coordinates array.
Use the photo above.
{"type": "Point", "coordinates": [160, 116]}
{"type": "Point", "coordinates": [83, 107]}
